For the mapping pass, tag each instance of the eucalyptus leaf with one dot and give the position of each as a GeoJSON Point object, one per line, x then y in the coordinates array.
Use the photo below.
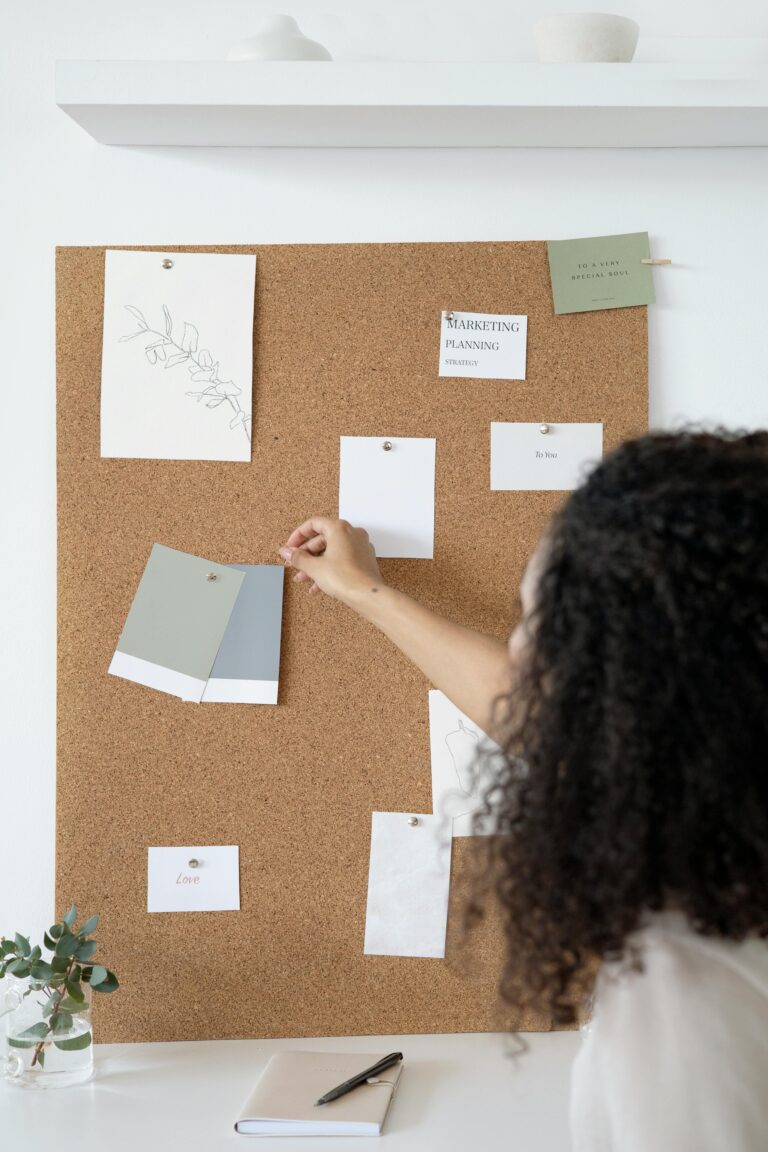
{"type": "Point", "coordinates": [14, 1043]}
{"type": "Point", "coordinates": [98, 974]}
{"type": "Point", "coordinates": [55, 931]}
{"type": "Point", "coordinates": [61, 1022]}
{"type": "Point", "coordinates": [69, 1004]}
{"type": "Point", "coordinates": [86, 950]}
{"type": "Point", "coordinates": [22, 944]}
{"type": "Point", "coordinates": [70, 917]}
{"type": "Point", "coordinates": [36, 953]}
{"type": "Point", "coordinates": [19, 968]}
{"type": "Point", "coordinates": [74, 1043]}
{"type": "Point", "coordinates": [6, 947]}
{"type": "Point", "coordinates": [41, 971]}
{"type": "Point", "coordinates": [59, 963]}
{"type": "Point", "coordinates": [41, 1057]}
{"type": "Point", "coordinates": [49, 942]}
{"type": "Point", "coordinates": [89, 926]}
{"type": "Point", "coordinates": [75, 991]}
{"type": "Point", "coordinates": [67, 945]}
{"type": "Point", "coordinates": [111, 984]}
{"type": "Point", "coordinates": [39, 1030]}
{"type": "Point", "coordinates": [50, 1004]}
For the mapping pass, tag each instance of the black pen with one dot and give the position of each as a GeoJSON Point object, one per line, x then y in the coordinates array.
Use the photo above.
{"type": "Point", "coordinates": [361, 1078]}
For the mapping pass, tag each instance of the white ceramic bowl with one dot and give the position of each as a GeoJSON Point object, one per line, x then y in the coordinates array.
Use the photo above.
{"type": "Point", "coordinates": [585, 37]}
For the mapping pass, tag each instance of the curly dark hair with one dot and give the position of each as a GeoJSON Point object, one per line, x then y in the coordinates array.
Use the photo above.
{"type": "Point", "coordinates": [637, 735]}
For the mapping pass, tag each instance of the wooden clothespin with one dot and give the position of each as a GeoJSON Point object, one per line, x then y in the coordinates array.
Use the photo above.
{"type": "Point", "coordinates": [650, 260]}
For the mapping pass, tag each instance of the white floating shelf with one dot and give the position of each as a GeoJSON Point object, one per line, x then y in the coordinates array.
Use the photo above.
{"type": "Point", "coordinates": [441, 105]}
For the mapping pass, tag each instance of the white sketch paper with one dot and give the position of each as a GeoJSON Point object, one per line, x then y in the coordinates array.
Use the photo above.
{"type": "Point", "coordinates": [463, 762]}
{"type": "Point", "coordinates": [177, 356]}
{"type": "Point", "coordinates": [387, 486]}
{"type": "Point", "coordinates": [483, 345]}
{"type": "Point", "coordinates": [408, 886]}
{"type": "Point", "coordinates": [210, 884]}
{"type": "Point", "coordinates": [543, 457]}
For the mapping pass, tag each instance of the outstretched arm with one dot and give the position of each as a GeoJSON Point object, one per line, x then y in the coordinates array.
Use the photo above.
{"type": "Point", "coordinates": [333, 557]}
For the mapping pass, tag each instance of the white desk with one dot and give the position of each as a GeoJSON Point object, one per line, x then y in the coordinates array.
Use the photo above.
{"type": "Point", "coordinates": [457, 1093]}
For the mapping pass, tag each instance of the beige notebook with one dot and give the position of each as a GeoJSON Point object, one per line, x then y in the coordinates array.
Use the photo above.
{"type": "Point", "coordinates": [283, 1101]}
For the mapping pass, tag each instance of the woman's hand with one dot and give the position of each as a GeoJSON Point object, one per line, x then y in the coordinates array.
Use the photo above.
{"type": "Point", "coordinates": [333, 557]}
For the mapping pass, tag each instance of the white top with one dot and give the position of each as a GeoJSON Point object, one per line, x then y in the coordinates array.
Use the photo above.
{"type": "Point", "coordinates": [675, 1058]}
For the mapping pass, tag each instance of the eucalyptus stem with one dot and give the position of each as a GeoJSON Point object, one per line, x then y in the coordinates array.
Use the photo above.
{"type": "Point", "coordinates": [54, 1014]}
{"type": "Point", "coordinates": [61, 979]}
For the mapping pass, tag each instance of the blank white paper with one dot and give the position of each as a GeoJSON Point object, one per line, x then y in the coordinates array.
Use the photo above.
{"type": "Point", "coordinates": [483, 345]}
{"type": "Point", "coordinates": [177, 356]}
{"type": "Point", "coordinates": [463, 760]}
{"type": "Point", "coordinates": [390, 492]}
{"type": "Point", "coordinates": [213, 885]}
{"type": "Point", "coordinates": [526, 459]}
{"type": "Point", "coordinates": [408, 886]}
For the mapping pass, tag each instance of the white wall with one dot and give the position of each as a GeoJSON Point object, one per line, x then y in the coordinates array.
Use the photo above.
{"type": "Point", "coordinates": [706, 210]}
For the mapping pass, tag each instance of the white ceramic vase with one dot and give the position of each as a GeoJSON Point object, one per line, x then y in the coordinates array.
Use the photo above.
{"type": "Point", "coordinates": [279, 38]}
{"type": "Point", "coordinates": [585, 38]}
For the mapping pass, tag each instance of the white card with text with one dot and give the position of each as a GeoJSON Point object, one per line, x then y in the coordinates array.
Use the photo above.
{"type": "Point", "coordinates": [463, 760]}
{"type": "Point", "coordinates": [194, 879]}
{"type": "Point", "coordinates": [387, 486]}
{"type": "Point", "coordinates": [543, 457]}
{"type": "Point", "coordinates": [408, 884]}
{"type": "Point", "coordinates": [483, 346]}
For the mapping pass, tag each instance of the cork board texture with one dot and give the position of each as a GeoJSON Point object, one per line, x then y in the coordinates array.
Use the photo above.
{"type": "Point", "coordinates": [346, 343]}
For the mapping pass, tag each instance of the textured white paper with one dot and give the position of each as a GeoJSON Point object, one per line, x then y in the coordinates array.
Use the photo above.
{"type": "Point", "coordinates": [408, 886]}
{"type": "Point", "coordinates": [390, 493]}
{"type": "Point", "coordinates": [463, 761]}
{"type": "Point", "coordinates": [214, 886]}
{"type": "Point", "coordinates": [524, 459]}
{"type": "Point", "coordinates": [177, 356]}
{"type": "Point", "coordinates": [483, 346]}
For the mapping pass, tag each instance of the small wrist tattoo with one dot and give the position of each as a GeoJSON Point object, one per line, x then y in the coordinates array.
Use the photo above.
{"type": "Point", "coordinates": [374, 589]}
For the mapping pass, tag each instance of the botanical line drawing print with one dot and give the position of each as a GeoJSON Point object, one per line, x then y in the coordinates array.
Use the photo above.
{"type": "Point", "coordinates": [203, 370]}
{"type": "Point", "coordinates": [462, 745]}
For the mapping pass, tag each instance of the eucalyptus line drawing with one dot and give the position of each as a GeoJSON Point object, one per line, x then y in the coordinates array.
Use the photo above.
{"type": "Point", "coordinates": [203, 369]}
{"type": "Point", "coordinates": [463, 745]}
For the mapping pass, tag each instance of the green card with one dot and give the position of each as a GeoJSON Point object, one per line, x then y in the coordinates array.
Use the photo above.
{"type": "Point", "coordinates": [600, 272]}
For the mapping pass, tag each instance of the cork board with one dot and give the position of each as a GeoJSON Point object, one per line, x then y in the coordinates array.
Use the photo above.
{"type": "Point", "coordinates": [346, 343]}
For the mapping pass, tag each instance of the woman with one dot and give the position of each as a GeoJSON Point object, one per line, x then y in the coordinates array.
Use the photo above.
{"type": "Point", "coordinates": [633, 810]}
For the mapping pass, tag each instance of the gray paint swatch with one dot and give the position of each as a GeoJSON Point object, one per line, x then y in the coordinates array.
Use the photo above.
{"type": "Point", "coordinates": [250, 649]}
{"type": "Point", "coordinates": [179, 616]}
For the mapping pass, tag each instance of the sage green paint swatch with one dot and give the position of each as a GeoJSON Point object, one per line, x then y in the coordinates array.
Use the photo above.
{"type": "Point", "coordinates": [179, 615]}
{"type": "Point", "coordinates": [600, 272]}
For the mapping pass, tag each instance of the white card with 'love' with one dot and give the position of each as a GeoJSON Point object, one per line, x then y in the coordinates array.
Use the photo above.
{"type": "Point", "coordinates": [202, 878]}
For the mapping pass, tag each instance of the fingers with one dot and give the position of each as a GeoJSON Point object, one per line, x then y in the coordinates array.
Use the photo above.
{"type": "Point", "coordinates": [315, 526]}
{"type": "Point", "coordinates": [300, 559]}
{"type": "Point", "coordinates": [316, 545]}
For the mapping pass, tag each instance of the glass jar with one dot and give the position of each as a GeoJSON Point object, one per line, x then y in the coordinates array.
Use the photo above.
{"type": "Point", "coordinates": [58, 1059]}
